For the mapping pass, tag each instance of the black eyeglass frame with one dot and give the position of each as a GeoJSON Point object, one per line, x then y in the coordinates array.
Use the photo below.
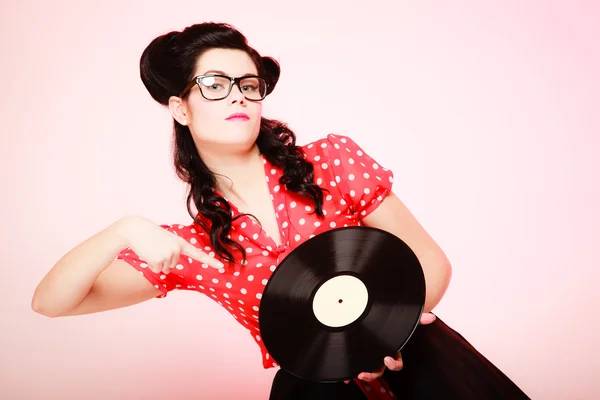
{"type": "Point", "coordinates": [233, 82]}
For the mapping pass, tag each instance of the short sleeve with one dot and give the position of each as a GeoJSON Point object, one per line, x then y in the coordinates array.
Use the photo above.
{"type": "Point", "coordinates": [362, 181]}
{"type": "Point", "coordinates": [174, 280]}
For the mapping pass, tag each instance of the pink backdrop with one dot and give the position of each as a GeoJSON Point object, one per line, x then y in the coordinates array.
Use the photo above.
{"type": "Point", "coordinates": [488, 115]}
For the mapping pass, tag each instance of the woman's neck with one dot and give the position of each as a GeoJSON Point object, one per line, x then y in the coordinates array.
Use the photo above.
{"type": "Point", "coordinates": [235, 172]}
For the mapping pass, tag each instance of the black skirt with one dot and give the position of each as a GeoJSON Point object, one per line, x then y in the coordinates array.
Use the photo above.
{"type": "Point", "coordinates": [439, 363]}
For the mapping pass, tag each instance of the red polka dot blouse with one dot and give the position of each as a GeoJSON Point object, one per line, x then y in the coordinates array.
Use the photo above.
{"type": "Point", "coordinates": [356, 185]}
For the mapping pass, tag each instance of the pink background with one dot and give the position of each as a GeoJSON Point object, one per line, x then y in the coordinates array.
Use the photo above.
{"type": "Point", "coordinates": [488, 114]}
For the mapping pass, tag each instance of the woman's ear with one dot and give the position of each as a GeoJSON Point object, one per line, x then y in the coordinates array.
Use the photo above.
{"type": "Point", "coordinates": [179, 110]}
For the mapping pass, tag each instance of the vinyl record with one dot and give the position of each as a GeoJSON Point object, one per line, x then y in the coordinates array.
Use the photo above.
{"type": "Point", "coordinates": [341, 302]}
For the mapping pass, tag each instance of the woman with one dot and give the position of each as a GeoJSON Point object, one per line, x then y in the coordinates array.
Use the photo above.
{"type": "Point", "coordinates": [257, 196]}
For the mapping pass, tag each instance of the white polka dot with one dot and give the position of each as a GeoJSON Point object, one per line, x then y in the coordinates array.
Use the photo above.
{"type": "Point", "coordinates": [236, 273]}
{"type": "Point", "coordinates": [284, 224]}
{"type": "Point", "coordinates": [242, 303]}
{"type": "Point", "coordinates": [258, 338]}
{"type": "Point", "coordinates": [336, 162]}
{"type": "Point", "coordinates": [343, 202]}
{"type": "Point", "coordinates": [143, 265]}
{"type": "Point", "coordinates": [249, 250]}
{"type": "Point", "coordinates": [265, 253]}
{"type": "Point", "coordinates": [272, 268]}
{"type": "Point", "coordinates": [329, 197]}
{"type": "Point", "coordinates": [352, 193]}
{"type": "Point", "coordinates": [258, 265]}
{"type": "Point", "coordinates": [243, 225]}
{"type": "Point", "coordinates": [317, 158]}
{"type": "Point", "coordinates": [324, 166]}
{"type": "Point", "coordinates": [297, 237]}
{"type": "Point", "coordinates": [163, 276]}
{"type": "Point", "coordinates": [226, 296]}
{"type": "Point", "coordinates": [205, 266]}
{"type": "Point", "coordinates": [317, 223]}
{"type": "Point", "coordinates": [323, 145]}
{"type": "Point", "coordinates": [351, 177]}
{"type": "Point", "coordinates": [179, 267]}
{"type": "Point", "coordinates": [332, 224]}
{"type": "Point", "coordinates": [264, 282]}
{"type": "Point", "coordinates": [366, 175]}
{"type": "Point", "coordinates": [367, 191]}
{"type": "Point", "coordinates": [302, 221]}
{"type": "Point", "coordinates": [319, 181]}
{"type": "Point", "coordinates": [199, 277]}
{"type": "Point", "coordinates": [228, 285]}
{"type": "Point", "coordinates": [332, 183]}
{"type": "Point", "coordinates": [255, 308]}
{"type": "Point", "coordinates": [243, 291]}
{"type": "Point", "coordinates": [281, 207]}
{"type": "Point", "coordinates": [258, 296]}
{"type": "Point", "coordinates": [215, 280]}
{"type": "Point", "coordinates": [350, 161]}
{"type": "Point", "coordinates": [360, 153]}
{"type": "Point", "coordinates": [276, 188]}
{"type": "Point", "coordinates": [293, 204]}
{"type": "Point", "coordinates": [307, 208]}
{"type": "Point", "coordinates": [250, 278]}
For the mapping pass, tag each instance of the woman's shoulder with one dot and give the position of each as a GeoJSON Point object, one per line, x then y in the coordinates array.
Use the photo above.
{"type": "Point", "coordinates": [330, 139]}
{"type": "Point", "coordinates": [191, 232]}
{"type": "Point", "coordinates": [342, 152]}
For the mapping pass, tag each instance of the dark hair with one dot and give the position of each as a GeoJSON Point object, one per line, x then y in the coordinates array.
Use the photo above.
{"type": "Point", "coordinates": [166, 67]}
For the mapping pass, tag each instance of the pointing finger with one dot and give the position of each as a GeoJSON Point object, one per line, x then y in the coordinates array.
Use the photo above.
{"type": "Point", "coordinates": [199, 255]}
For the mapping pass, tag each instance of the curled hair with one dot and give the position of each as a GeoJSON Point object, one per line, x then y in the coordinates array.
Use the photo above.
{"type": "Point", "coordinates": [166, 66]}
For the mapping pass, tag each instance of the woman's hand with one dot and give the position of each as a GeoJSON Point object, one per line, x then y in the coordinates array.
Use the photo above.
{"type": "Point", "coordinates": [160, 248]}
{"type": "Point", "coordinates": [393, 364]}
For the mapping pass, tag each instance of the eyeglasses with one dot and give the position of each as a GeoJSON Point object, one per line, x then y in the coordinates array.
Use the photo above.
{"type": "Point", "coordinates": [218, 87]}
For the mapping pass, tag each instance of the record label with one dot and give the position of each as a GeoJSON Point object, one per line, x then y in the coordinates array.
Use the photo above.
{"type": "Point", "coordinates": [340, 301]}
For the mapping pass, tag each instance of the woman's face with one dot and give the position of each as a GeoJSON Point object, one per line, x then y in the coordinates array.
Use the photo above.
{"type": "Point", "coordinates": [210, 121]}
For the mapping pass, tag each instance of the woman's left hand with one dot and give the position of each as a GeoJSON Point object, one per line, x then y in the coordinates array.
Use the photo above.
{"type": "Point", "coordinates": [394, 364]}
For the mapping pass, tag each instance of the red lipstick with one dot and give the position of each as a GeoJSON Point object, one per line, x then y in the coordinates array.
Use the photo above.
{"type": "Point", "coordinates": [238, 117]}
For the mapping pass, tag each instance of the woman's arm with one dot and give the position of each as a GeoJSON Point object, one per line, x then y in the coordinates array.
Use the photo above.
{"type": "Point", "coordinates": [394, 217]}
{"type": "Point", "coordinates": [88, 279]}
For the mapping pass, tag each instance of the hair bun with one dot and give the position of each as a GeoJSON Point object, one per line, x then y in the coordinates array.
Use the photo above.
{"type": "Point", "coordinates": [156, 67]}
{"type": "Point", "coordinates": [272, 72]}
